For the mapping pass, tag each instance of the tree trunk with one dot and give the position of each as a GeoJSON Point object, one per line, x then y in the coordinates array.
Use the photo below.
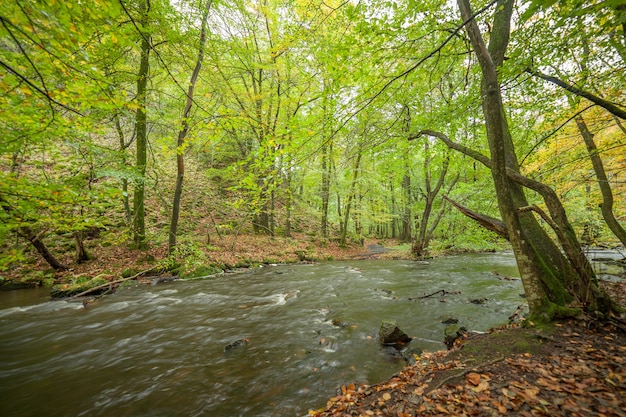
{"type": "Point", "coordinates": [351, 195]}
{"type": "Point", "coordinates": [35, 239]}
{"type": "Point", "coordinates": [603, 182]}
{"type": "Point", "coordinates": [123, 146]}
{"type": "Point", "coordinates": [288, 204]}
{"type": "Point", "coordinates": [81, 252]}
{"type": "Point", "coordinates": [182, 135]}
{"type": "Point", "coordinates": [394, 210]}
{"type": "Point", "coordinates": [547, 275]}
{"type": "Point", "coordinates": [325, 186]}
{"type": "Point", "coordinates": [43, 250]}
{"type": "Point", "coordinates": [405, 234]}
{"type": "Point", "coordinates": [141, 128]}
{"type": "Point", "coordinates": [423, 236]}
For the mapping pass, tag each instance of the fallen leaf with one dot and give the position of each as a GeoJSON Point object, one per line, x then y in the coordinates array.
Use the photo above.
{"type": "Point", "coordinates": [473, 378]}
{"type": "Point", "coordinates": [508, 393]}
{"type": "Point", "coordinates": [483, 386]}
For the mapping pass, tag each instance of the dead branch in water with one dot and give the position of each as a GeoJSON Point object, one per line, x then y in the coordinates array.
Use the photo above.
{"type": "Point", "coordinates": [110, 284]}
{"type": "Point", "coordinates": [442, 292]}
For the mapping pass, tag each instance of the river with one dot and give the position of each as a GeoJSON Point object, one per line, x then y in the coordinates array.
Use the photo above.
{"type": "Point", "coordinates": [159, 350]}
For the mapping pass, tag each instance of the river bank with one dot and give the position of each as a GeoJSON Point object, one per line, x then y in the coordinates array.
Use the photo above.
{"type": "Point", "coordinates": [572, 368]}
{"type": "Point", "coordinates": [512, 370]}
{"type": "Point", "coordinates": [110, 262]}
{"type": "Point", "coordinates": [568, 368]}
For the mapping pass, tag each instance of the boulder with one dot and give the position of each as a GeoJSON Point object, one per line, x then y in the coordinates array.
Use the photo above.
{"type": "Point", "coordinates": [454, 333]}
{"type": "Point", "coordinates": [390, 334]}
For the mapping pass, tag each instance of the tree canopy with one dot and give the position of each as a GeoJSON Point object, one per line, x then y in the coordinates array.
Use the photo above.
{"type": "Point", "coordinates": [312, 118]}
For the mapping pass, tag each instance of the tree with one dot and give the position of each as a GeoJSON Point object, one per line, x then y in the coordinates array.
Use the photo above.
{"type": "Point", "coordinates": [184, 129]}
{"type": "Point", "coordinates": [56, 99]}
{"type": "Point", "coordinates": [551, 280]}
{"type": "Point", "coordinates": [424, 226]}
{"type": "Point", "coordinates": [141, 127]}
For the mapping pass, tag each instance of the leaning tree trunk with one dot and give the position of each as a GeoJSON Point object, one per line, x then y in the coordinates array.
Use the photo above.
{"type": "Point", "coordinates": [35, 239]}
{"type": "Point", "coordinates": [551, 281]}
{"type": "Point", "coordinates": [603, 182]}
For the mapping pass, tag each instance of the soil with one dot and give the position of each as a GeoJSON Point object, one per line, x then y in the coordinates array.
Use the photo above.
{"type": "Point", "coordinates": [572, 368]}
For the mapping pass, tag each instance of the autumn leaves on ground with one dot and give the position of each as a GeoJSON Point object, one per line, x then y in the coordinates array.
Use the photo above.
{"type": "Point", "coordinates": [565, 370]}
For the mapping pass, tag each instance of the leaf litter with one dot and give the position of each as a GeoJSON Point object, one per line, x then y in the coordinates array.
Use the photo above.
{"type": "Point", "coordinates": [572, 368]}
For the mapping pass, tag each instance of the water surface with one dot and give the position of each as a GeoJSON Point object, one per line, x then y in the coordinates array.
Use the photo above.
{"type": "Point", "coordinates": [159, 350]}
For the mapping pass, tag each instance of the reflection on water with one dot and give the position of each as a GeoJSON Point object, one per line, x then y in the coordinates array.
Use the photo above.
{"type": "Point", "coordinates": [159, 350]}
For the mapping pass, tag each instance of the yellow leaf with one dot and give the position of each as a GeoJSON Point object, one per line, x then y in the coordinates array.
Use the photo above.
{"type": "Point", "coordinates": [386, 396]}
{"type": "Point", "coordinates": [483, 386]}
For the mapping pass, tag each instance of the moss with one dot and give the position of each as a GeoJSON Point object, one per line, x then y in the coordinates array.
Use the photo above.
{"type": "Point", "coordinates": [202, 271]}
{"type": "Point", "coordinates": [77, 286]}
{"type": "Point", "coordinates": [129, 272]}
{"type": "Point", "coordinates": [550, 311]}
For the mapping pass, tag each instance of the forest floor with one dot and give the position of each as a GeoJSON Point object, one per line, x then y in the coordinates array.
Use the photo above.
{"type": "Point", "coordinates": [573, 368]}
{"type": "Point", "coordinates": [114, 261]}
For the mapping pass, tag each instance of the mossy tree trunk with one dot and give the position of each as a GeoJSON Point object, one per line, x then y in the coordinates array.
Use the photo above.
{"type": "Point", "coordinates": [552, 279]}
{"type": "Point", "coordinates": [141, 128]}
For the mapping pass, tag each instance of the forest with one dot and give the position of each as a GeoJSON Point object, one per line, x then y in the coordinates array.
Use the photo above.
{"type": "Point", "coordinates": [173, 130]}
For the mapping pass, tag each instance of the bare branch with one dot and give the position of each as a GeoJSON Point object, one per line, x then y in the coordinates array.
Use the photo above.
{"type": "Point", "coordinates": [456, 146]}
{"type": "Point", "coordinates": [607, 105]}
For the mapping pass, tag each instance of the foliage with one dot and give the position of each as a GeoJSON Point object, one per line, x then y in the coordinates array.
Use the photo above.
{"type": "Point", "coordinates": [299, 120]}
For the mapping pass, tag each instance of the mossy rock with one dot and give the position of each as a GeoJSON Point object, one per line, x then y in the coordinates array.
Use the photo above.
{"type": "Point", "coordinates": [129, 272]}
{"type": "Point", "coordinates": [201, 272]}
{"type": "Point", "coordinates": [78, 286]}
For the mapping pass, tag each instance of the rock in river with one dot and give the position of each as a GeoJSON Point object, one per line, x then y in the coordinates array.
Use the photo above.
{"type": "Point", "coordinates": [390, 334]}
{"type": "Point", "coordinates": [236, 344]}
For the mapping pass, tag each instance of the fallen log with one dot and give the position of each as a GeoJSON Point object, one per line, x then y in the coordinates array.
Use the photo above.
{"type": "Point", "coordinates": [110, 284]}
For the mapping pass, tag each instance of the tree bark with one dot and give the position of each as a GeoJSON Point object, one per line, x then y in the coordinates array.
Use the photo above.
{"type": "Point", "coordinates": [551, 281]}
{"type": "Point", "coordinates": [141, 128]}
{"type": "Point", "coordinates": [182, 134]}
{"type": "Point", "coordinates": [603, 182]}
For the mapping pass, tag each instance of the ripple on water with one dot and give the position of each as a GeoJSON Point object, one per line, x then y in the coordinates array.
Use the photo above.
{"type": "Point", "coordinates": [159, 351]}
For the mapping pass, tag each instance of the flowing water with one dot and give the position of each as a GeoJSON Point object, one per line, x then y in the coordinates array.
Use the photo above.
{"type": "Point", "coordinates": [159, 350]}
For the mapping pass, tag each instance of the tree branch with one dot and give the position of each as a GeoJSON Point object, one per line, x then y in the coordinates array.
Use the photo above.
{"type": "Point", "coordinates": [39, 90]}
{"type": "Point", "coordinates": [607, 105]}
{"type": "Point", "coordinates": [495, 225]}
{"type": "Point", "coordinates": [453, 145]}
